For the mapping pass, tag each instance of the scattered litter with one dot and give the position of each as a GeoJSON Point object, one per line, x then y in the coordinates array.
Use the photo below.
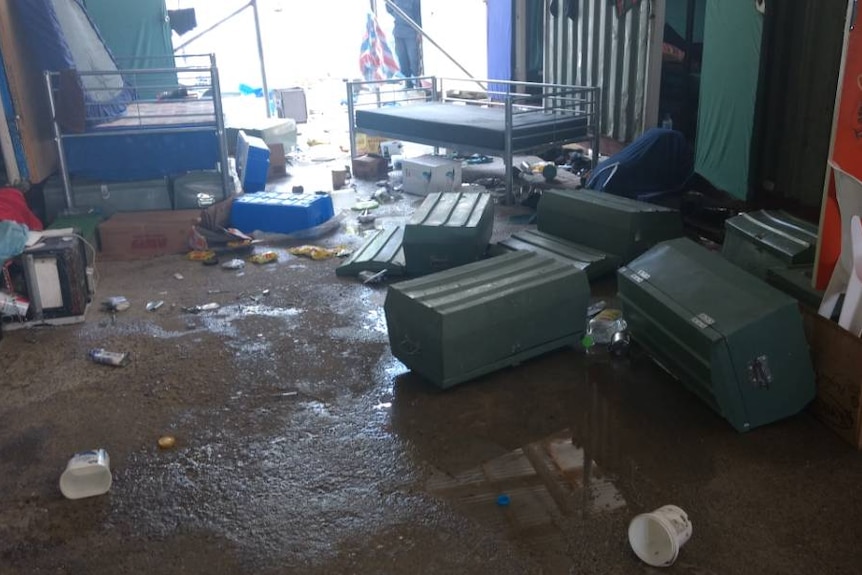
{"type": "Point", "coordinates": [315, 252]}
{"type": "Point", "coordinates": [234, 264]}
{"type": "Point", "coordinates": [212, 306]}
{"type": "Point", "coordinates": [603, 327]}
{"type": "Point", "coordinates": [365, 205]}
{"type": "Point", "coordinates": [116, 303]}
{"type": "Point", "coordinates": [190, 325]}
{"type": "Point", "coordinates": [167, 442]}
{"type": "Point", "coordinates": [13, 305]}
{"type": "Point", "coordinates": [211, 261]}
{"type": "Point", "coordinates": [595, 308]}
{"type": "Point", "coordinates": [113, 358]}
{"type": "Point", "coordinates": [369, 277]}
{"type": "Point", "coordinates": [620, 343]}
{"type": "Point", "coordinates": [179, 276]}
{"type": "Point", "coordinates": [298, 190]}
{"type": "Point", "coordinates": [478, 159]}
{"type": "Point", "coordinates": [366, 218]}
{"type": "Point", "coordinates": [289, 393]}
{"type": "Point", "coordinates": [383, 195]}
{"type": "Point", "coordinates": [503, 500]}
{"type": "Point", "coordinates": [154, 305]}
{"type": "Point", "coordinates": [264, 258]}
{"type": "Point", "coordinates": [216, 291]}
{"type": "Point", "coordinates": [265, 292]}
{"type": "Point", "coordinates": [87, 473]}
{"type": "Point", "coordinates": [657, 537]}
{"type": "Point", "coordinates": [200, 255]}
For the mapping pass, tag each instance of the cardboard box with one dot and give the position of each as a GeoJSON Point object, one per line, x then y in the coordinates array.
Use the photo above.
{"type": "Point", "coordinates": [370, 167]}
{"type": "Point", "coordinates": [837, 358]}
{"type": "Point", "coordinates": [137, 235]}
{"type": "Point", "coordinates": [391, 148]}
{"type": "Point", "coordinates": [366, 144]}
{"type": "Point", "coordinates": [430, 174]}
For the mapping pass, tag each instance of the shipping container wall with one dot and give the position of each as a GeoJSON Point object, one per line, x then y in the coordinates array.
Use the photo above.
{"type": "Point", "coordinates": [590, 44]}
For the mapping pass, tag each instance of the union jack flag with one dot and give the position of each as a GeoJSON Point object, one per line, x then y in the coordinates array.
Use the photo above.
{"type": "Point", "coordinates": [376, 60]}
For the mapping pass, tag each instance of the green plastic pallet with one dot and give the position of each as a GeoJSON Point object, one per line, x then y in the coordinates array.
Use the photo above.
{"type": "Point", "coordinates": [447, 230]}
{"type": "Point", "coordinates": [594, 263]}
{"type": "Point", "coordinates": [729, 337]}
{"type": "Point", "coordinates": [607, 223]}
{"type": "Point", "coordinates": [758, 241]}
{"type": "Point", "coordinates": [456, 325]}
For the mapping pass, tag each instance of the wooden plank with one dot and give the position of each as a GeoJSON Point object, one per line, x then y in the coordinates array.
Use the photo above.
{"type": "Point", "coordinates": [27, 85]}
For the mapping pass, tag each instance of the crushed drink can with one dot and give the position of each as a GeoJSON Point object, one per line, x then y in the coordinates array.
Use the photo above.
{"type": "Point", "coordinates": [105, 357]}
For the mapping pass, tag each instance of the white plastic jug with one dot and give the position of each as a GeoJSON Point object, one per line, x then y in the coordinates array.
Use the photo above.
{"type": "Point", "coordinates": [88, 473]}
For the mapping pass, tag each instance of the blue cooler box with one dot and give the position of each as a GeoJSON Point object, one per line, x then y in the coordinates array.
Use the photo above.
{"type": "Point", "coordinates": [280, 212]}
{"type": "Point", "coordinates": [252, 162]}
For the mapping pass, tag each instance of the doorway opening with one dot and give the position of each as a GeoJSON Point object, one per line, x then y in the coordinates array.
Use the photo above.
{"type": "Point", "coordinates": [682, 54]}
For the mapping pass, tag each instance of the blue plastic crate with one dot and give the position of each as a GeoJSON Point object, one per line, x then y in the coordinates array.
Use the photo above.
{"type": "Point", "coordinates": [280, 212]}
{"type": "Point", "coordinates": [252, 162]}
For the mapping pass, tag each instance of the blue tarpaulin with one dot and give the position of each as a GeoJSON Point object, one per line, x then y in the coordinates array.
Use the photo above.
{"type": "Point", "coordinates": [658, 162]}
{"type": "Point", "coordinates": [61, 36]}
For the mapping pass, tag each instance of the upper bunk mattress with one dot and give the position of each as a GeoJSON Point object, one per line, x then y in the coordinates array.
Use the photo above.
{"type": "Point", "coordinates": [475, 126]}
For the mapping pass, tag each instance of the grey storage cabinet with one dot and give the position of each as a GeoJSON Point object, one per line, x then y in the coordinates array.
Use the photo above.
{"type": "Point", "coordinates": [611, 224]}
{"type": "Point", "coordinates": [448, 229]}
{"type": "Point", "coordinates": [729, 337]}
{"type": "Point", "coordinates": [456, 325]}
{"type": "Point", "coordinates": [758, 241]}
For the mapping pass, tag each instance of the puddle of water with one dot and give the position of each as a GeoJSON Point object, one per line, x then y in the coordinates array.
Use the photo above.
{"type": "Point", "coordinates": [544, 480]}
{"type": "Point", "coordinates": [375, 320]}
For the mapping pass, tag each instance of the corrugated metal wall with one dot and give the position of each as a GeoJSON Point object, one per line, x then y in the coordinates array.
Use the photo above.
{"type": "Point", "coordinates": [600, 49]}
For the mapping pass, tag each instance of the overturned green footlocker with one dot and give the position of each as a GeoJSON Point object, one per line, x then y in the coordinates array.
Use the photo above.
{"type": "Point", "coordinates": [448, 229]}
{"type": "Point", "coordinates": [453, 326]}
{"type": "Point", "coordinates": [758, 241]}
{"type": "Point", "coordinates": [732, 339]}
{"type": "Point", "coordinates": [611, 224]}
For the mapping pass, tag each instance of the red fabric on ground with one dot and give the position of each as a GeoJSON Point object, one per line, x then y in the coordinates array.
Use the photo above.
{"type": "Point", "coordinates": [13, 207]}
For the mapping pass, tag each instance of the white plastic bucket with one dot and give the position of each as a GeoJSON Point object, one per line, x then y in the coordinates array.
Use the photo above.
{"type": "Point", "coordinates": [657, 537]}
{"type": "Point", "coordinates": [88, 473]}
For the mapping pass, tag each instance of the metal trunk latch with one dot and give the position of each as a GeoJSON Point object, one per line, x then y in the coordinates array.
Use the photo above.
{"type": "Point", "coordinates": [759, 373]}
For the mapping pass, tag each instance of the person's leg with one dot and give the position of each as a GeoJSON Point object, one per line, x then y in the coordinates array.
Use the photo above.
{"type": "Point", "coordinates": [402, 52]}
{"type": "Point", "coordinates": [412, 46]}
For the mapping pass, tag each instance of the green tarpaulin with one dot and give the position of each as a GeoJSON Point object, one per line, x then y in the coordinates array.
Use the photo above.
{"type": "Point", "coordinates": [728, 93]}
{"type": "Point", "coordinates": [139, 35]}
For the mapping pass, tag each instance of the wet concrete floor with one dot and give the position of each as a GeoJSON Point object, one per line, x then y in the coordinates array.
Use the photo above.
{"type": "Point", "coordinates": [303, 446]}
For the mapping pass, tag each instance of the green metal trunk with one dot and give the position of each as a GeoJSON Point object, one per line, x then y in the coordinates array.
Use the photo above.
{"type": "Point", "coordinates": [766, 239]}
{"type": "Point", "coordinates": [733, 340]}
{"type": "Point", "coordinates": [594, 263]}
{"type": "Point", "coordinates": [455, 325]}
{"type": "Point", "coordinates": [795, 281]}
{"type": "Point", "coordinates": [611, 224]}
{"type": "Point", "coordinates": [382, 251]}
{"type": "Point", "coordinates": [448, 230]}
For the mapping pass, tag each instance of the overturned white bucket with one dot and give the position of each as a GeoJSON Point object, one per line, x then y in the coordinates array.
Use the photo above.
{"type": "Point", "coordinates": [657, 537]}
{"type": "Point", "coordinates": [88, 473]}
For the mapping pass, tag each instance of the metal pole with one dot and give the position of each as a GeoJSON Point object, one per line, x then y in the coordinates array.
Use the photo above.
{"type": "Point", "coordinates": [260, 55]}
{"type": "Point", "coordinates": [419, 29]}
{"type": "Point", "coordinates": [58, 140]}
{"type": "Point", "coordinates": [220, 129]}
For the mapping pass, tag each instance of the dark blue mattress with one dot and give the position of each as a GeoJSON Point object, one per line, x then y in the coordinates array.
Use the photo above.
{"type": "Point", "coordinates": [472, 126]}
